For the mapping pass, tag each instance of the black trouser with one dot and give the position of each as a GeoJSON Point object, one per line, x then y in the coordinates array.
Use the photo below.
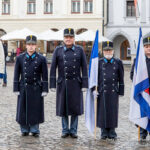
{"type": "Point", "coordinates": [108, 132]}
{"type": "Point", "coordinates": [143, 132]}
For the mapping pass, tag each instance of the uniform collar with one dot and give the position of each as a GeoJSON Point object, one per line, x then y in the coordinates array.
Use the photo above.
{"type": "Point", "coordinates": [148, 59]}
{"type": "Point", "coordinates": [32, 56]}
{"type": "Point", "coordinates": [73, 48]}
{"type": "Point", "coordinates": [106, 60]}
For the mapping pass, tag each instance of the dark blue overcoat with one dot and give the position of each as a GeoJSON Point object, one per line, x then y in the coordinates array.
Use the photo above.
{"type": "Point", "coordinates": [72, 77]}
{"type": "Point", "coordinates": [110, 86]}
{"type": "Point", "coordinates": [30, 79]}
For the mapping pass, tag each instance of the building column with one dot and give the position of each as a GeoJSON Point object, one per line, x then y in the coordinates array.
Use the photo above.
{"type": "Point", "coordinates": [111, 9]}
{"type": "Point", "coordinates": [143, 11]}
{"type": "Point", "coordinates": [39, 7]}
{"type": "Point", "coordinates": [81, 6]}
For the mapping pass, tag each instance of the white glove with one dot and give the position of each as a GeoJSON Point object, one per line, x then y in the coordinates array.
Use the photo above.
{"type": "Point", "coordinates": [120, 95]}
{"type": "Point", "coordinates": [17, 93]}
{"type": "Point", "coordinates": [84, 89]}
{"type": "Point", "coordinates": [44, 94]}
{"type": "Point", "coordinates": [0, 81]}
{"type": "Point", "coordinates": [95, 94]}
{"type": "Point", "coordinates": [53, 89]}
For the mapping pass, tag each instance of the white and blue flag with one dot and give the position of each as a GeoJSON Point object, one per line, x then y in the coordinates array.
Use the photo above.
{"type": "Point", "coordinates": [93, 81]}
{"type": "Point", "coordinates": [140, 98]}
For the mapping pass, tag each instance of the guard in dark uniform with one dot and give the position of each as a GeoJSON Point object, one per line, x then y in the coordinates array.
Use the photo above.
{"type": "Point", "coordinates": [110, 86]}
{"type": "Point", "coordinates": [70, 60]}
{"type": "Point", "coordinates": [146, 42]}
{"type": "Point", "coordinates": [31, 85]}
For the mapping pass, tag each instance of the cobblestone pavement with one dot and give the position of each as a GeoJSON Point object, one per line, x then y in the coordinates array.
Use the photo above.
{"type": "Point", "coordinates": [10, 137]}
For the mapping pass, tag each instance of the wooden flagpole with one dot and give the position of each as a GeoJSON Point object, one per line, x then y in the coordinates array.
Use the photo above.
{"type": "Point", "coordinates": [95, 114]}
{"type": "Point", "coordinates": [138, 133]}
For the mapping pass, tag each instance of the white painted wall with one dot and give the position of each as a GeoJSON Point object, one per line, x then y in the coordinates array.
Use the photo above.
{"type": "Point", "coordinates": [60, 19]}
{"type": "Point", "coordinates": [128, 26]}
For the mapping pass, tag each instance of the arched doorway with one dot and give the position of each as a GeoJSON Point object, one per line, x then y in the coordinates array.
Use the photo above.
{"type": "Point", "coordinates": [125, 51]}
{"type": "Point", "coordinates": [122, 48]}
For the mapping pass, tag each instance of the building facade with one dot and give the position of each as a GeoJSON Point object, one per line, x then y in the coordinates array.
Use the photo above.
{"type": "Point", "coordinates": [122, 26]}
{"type": "Point", "coordinates": [41, 15]}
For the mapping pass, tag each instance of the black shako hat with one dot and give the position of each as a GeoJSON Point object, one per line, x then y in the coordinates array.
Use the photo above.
{"type": "Point", "coordinates": [107, 45]}
{"type": "Point", "coordinates": [69, 32]}
{"type": "Point", "coordinates": [31, 39]}
{"type": "Point", "coordinates": [146, 40]}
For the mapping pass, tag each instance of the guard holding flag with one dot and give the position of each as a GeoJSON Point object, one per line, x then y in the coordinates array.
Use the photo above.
{"type": "Point", "coordinates": [146, 43]}
{"type": "Point", "coordinates": [110, 86]}
{"type": "Point", "coordinates": [31, 85]}
{"type": "Point", "coordinates": [72, 80]}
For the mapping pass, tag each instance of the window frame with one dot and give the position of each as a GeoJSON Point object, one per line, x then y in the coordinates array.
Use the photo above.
{"type": "Point", "coordinates": [51, 3]}
{"type": "Point", "coordinates": [87, 12]}
{"type": "Point", "coordinates": [3, 2]}
{"type": "Point", "coordinates": [132, 13]}
{"type": "Point", "coordinates": [76, 1]}
{"type": "Point", "coordinates": [34, 3]}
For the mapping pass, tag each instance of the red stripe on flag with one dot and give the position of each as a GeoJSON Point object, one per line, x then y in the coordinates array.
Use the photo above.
{"type": "Point", "coordinates": [147, 91]}
{"type": "Point", "coordinates": [135, 3]}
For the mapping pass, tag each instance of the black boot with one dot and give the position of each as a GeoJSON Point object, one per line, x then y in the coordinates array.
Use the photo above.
{"type": "Point", "coordinates": [25, 134]}
{"type": "Point", "coordinates": [143, 134]}
{"type": "Point", "coordinates": [112, 134]}
{"type": "Point", "coordinates": [104, 133]}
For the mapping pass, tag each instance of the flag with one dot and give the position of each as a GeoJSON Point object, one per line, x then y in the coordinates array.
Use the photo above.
{"type": "Point", "coordinates": [135, 3]}
{"type": "Point", "coordinates": [140, 98]}
{"type": "Point", "coordinates": [93, 81]}
{"type": "Point", "coordinates": [137, 11]}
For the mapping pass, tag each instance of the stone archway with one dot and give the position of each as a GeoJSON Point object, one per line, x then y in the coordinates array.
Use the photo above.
{"type": "Point", "coordinates": [2, 32]}
{"type": "Point", "coordinates": [122, 47]}
{"type": "Point", "coordinates": [79, 31]}
{"type": "Point", "coordinates": [123, 44]}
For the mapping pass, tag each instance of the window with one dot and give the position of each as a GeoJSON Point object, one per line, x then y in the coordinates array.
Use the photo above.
{"type": "Point", "coordinates": [48, 6]}
{"type": "Point", "coordinates": [75, 6]}
{"type": "Point", "coordinates": [31, 7]}
{"type": "Point", "coordinates": [130, 9]}
{"type": "Point", "coordinates": [6, 7]}
{"type": "Point", "coordinates": [88, 6]}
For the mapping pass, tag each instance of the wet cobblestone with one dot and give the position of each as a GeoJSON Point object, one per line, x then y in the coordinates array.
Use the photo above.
{"type": "Point", "coordinates": [11, 139]}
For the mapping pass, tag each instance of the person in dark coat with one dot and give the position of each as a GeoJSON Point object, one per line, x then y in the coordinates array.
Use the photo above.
{"type": "Point", "coordinates": [5, 74]}
{"type": "Point", "coordinates": [70, 61]}
{"type": "Point", "coordinates": [110, 86]}
{"type": "Point", "coordinates": [146, 42]}
{"type": "Point", "coordinates": [31, 85]}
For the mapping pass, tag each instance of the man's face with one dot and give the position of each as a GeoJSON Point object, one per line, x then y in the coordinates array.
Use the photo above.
{"type": "Point", "coordinates": [108, 53]}
{"type": "Point", "coordinates": [68, 40]}
{"type": "Point", "coordinates": [147, 50]}
{"type": "Point", "coordinates": [31, 47]}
